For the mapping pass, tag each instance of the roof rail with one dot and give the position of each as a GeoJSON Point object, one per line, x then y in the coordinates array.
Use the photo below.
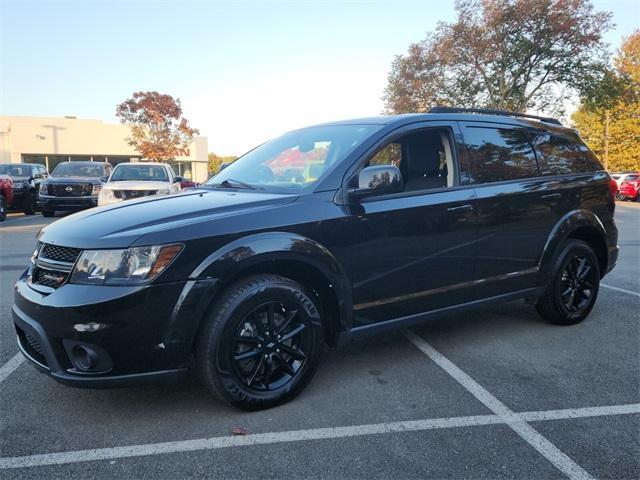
{"type": "Point", "coordinates": [493, 112]}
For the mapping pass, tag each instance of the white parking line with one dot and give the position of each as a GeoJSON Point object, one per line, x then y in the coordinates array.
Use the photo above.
{"type": "Point", "coordinates": [618, 289]}
{"type": "Point", "coordinates": [547, 449]}
{"type": "Point", "coordinates": [9, 367]}
{"type": "Point", "coordinates": [215, 443]}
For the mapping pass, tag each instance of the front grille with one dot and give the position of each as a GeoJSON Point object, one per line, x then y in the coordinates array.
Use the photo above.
{"type": "Point", "coordinates": [70, 190]}
{"type": "Point", "coordinates": [59, 254]}
{"type": "Point", "coordinates": [32, 346]}
{"type": "Point", "coordinates": [49, 278]}
{"type": "Point", "coordinates": [129, 194]}
{"type": "Point", "coordinates": [53, 265]}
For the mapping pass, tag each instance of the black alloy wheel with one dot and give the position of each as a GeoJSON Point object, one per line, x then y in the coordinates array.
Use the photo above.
{"type": "Point", "coordinates": [260, 345]}
{"type": "Point", "coordinates": [270, 346]}
{"type": "Point", "coordinates": [577, 284]}
{"type": "Point", "coordinates": [573, 289]}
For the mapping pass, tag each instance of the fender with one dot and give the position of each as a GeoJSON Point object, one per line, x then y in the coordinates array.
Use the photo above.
{"type": "Point", "coordinates": [250, 251]}
{"type": "Point", "coordinates": [570, 222]}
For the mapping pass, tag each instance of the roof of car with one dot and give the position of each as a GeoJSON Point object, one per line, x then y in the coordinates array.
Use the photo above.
{"type": "Point", "coordinates": [158, 164]}
{"type": "Point", "coordinates": [404, 118]}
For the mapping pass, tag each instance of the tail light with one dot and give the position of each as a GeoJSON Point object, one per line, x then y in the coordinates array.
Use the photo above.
{"type": "Point", "coordinates": [613, 188]}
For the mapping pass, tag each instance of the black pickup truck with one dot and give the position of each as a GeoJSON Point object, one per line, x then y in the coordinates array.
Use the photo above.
{"type": "Point", "coordinates": [73, 186]}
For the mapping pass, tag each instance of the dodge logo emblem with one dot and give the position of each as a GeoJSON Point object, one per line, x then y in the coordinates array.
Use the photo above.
{"type": "Point", "coordinates": [68, 189]}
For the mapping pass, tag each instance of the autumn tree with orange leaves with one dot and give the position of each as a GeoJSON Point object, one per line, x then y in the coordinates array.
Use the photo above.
{"type": "Point", "coordinates": [503, 54]}
{"type": "Point", "coordinates": [158, 130]}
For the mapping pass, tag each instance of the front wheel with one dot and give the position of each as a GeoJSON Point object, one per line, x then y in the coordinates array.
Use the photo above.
{"type": "Point", "coordinates": [29, 207]}
{"type": "Point", "coordinates": [573, 289]}
{"type": "Point", "coordinates": [261, 343]}
{"type": "Point", "coordinates": [3, 208]}
{"type": "Point", "coordinates": [48, 213]}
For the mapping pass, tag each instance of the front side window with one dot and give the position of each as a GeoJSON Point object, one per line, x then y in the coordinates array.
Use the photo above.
{"type": "Point", "coordinates": [139, 172]}
{"type": "Point", "coordinates": [295, 161]}
{"type": "Point", "coordinates": [564, 153]}
{"type": "Point", "coordinates": [73, 169]}
{"type": "Point", "coordinates": [425, 159]}
{"type": "Point", "coordinates": [499, 154]}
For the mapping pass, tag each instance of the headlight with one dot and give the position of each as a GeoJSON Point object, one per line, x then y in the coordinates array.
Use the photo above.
{"type": "Point", "coordinates": [106, 194]}
{"type": "Point", "coordinates": [163, 191]}
{"type": "Point", "coordinates": [96, 189]}
{"type": "Point", "coordinates": [44, 188]}
{"type": "Point", "coordinates": [133, 266]}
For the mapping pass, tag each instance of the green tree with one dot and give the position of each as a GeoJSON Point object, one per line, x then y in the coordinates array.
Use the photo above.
{"type": "Point", "coordinates": [158, 129]}
{"type": "Point", "coordinates": [610, 121]}
{"type": "Point", "coordinates": [216, 161]}
{"type": "Point", "coordinates": [503, 54]}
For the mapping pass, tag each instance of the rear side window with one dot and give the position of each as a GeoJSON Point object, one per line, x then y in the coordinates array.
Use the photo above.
{"type": "Point", "coordinates": [498, 154]}
{"type": "Point", "coordinates": [564, 153]}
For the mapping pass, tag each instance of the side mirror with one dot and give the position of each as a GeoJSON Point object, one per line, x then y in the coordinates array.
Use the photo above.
{"type": "Point", "coordinates": [178, 179]}
{"type": "Point", "coordinates": [378, 179]}
{"type": "Point", "coordinates": [104, 179]}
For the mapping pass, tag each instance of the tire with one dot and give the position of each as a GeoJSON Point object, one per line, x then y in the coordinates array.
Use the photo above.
{"type": "Point", "coordinates": [274, 363]}
{"type": "Point", "coordinates": [29, 207]}
{"type": "Point", "coordinates": [574, 285]}
{"type": "Point", "coordinates": [3, 208]}
{"type": "Point", "coordinates": [48, 213]}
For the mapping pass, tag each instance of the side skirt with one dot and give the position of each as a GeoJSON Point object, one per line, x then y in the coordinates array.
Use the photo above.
{"type": "Point", "coordinates": [417, 318]}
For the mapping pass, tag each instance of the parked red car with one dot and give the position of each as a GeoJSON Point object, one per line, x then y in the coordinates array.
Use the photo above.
{"type": "Point", "coordinates": [630, 187]}
{"type": "Point", "coordinates": [6, 195]}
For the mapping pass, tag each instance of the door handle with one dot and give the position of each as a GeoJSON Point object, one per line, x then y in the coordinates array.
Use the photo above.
{"type": "Point", "coordinates": [551, 195]}
{"type": "Point", "coordinates": [460, 208]}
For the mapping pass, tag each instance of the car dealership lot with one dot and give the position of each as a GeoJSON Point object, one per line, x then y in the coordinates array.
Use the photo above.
{"type": "Point", "coordinates": [495, 393]}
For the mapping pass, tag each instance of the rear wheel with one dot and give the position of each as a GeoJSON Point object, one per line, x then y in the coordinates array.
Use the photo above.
{"type": "Point", "coordinates": [29, 207]}
{"type": "Point", "coordinates": [3, 208]}
{"type": "Point", "coordinates": [261, 342]}
{"type": "Point", "coordinates": [573, 289]}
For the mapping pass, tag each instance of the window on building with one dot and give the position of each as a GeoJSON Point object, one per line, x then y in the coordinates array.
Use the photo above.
{"type": "Point", "coordinates": [498, 154]}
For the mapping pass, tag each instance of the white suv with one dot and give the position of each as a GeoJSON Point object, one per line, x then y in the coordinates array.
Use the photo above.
{"type": "Point", "coordinates": [136, 180]}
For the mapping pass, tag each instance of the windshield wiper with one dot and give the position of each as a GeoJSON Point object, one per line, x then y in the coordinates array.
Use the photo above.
{"type": "Point", "coordinates": [231, 183]}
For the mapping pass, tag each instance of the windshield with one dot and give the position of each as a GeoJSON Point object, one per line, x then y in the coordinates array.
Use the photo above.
{"type": "Point", "coordinates": [152, 173]}
{"type": "Point", "coordinates": [71, 169]}
{"type": "Point", "coordinates": [294, 161]}
{"type": "Point", "coordinates": [15, 170]}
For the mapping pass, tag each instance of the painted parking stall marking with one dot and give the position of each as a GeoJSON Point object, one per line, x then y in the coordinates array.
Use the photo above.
{"type": "Point", "coordinates": [216, 443]}
{"type": "Point", "coordinates": [516, 422]}
{"type": "Point", "coordinates": [618, 289]}
{"type": "Point", "coordinates": [9, 367]}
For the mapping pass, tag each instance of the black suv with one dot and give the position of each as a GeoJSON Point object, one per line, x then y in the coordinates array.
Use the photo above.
{"type": "Point", "coordinates": [406, 218]}
{"type": "Point", "coordinates": [26, 184]}
{"type": "Point", "coordinates": [73, 186]}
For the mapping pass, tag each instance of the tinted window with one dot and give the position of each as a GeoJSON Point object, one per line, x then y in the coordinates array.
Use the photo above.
{"type": "Point", "coordinates": [73, 169]}
{"type": "Point", "coordinates": [564, 152]}
{"type": "Point", "coordinates": [139, 172]}
{"type": "Point", "coordinates": [497, 154]}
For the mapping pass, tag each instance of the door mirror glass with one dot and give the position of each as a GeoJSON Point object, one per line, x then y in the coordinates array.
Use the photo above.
{"type": "Point", "coordinates": [104, 179]}
{"type": "Point", "coordinates": [178, 179]}
{"type": "Point", "coordinates": [379, 179]}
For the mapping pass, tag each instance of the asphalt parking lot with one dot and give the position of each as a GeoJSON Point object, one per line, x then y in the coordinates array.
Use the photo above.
{"type": "Point", "coordinates": [496, 393]}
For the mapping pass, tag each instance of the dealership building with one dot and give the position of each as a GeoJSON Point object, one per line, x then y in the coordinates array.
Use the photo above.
{"type": "Point", "coordinates": [49, 141]}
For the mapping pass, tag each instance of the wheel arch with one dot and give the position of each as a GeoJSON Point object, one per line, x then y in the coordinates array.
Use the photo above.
{"type": "Point", "coordinates": [289, 255]}
{"type": "Point", "coordinates": [580, 225]}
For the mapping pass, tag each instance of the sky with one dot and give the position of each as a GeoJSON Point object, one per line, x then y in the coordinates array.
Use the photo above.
{"type": "Point", "coordinates": [245, 71]}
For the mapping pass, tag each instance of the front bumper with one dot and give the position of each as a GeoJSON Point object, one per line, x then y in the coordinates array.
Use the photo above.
{"type": "Point", "coordinates": [46, 202]}
{"type": "Point", "coordinates": [146, 332]}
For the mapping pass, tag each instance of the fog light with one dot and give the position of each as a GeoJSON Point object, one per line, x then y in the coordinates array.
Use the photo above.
{"type": "Point", "coordinates": [85, 358]}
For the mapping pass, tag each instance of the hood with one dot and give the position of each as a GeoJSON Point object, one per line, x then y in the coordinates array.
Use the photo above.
{"type": "Point", "coordinates": [71, 180]}
{"type": "Point", "coordinates": [136, 185]}
{"type": "Point", "coordinates": [119, 225]}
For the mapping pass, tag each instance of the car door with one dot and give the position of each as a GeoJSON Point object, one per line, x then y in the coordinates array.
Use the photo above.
{"type": "Point", "coordinates": [415, 249]}
{"type": "Point", "coordinates": [516, 206]}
